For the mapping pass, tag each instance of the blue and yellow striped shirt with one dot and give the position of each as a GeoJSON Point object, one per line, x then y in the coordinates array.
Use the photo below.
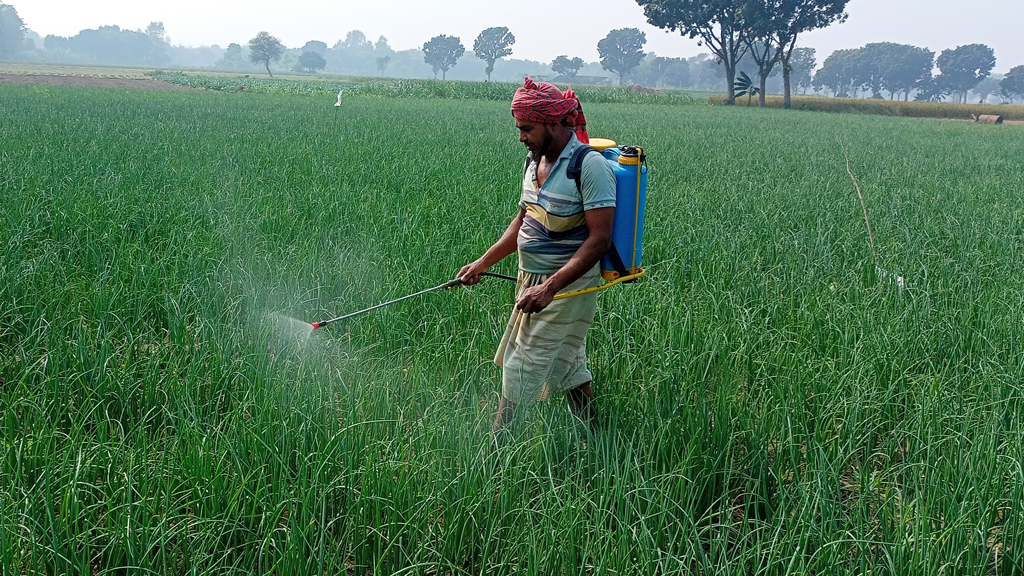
{"type": "Point", "coordinates": [555, 226]}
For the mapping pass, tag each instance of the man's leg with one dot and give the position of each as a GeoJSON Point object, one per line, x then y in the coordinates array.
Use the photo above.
{"type": "Point", "coordinates": [581, 404]}
{"type": "Point", "coordinates": [506, 409]}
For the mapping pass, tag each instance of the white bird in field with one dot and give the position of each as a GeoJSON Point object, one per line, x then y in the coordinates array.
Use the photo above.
{"type": "Point", "coordinates": [338, 103]}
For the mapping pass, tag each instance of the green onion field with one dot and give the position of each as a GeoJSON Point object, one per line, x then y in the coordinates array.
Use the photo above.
{"type": "Point", "coordinates": [771, 404]}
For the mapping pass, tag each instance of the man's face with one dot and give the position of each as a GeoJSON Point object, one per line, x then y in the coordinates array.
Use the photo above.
{"type": "Point", "coordinates": [536, 136]}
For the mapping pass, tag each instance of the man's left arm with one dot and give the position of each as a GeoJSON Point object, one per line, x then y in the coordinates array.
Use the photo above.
{"type": "Point", "coordinates": [599, 223]}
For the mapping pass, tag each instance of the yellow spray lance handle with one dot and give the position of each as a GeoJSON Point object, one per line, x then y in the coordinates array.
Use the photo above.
{"type": "Point", "coordinates": [637, 273]}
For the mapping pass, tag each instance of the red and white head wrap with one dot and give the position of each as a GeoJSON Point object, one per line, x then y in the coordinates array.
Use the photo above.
{"type": "Point", "coordinates": [544, 103]}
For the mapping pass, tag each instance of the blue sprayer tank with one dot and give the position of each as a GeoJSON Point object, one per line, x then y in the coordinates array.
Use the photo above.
{"type": "Point", "coordinates": [630, 168]}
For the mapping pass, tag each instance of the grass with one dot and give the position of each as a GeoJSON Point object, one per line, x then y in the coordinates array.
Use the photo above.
{"type": "Point", "coordinates": [394, 88]}
{"type": "Point", "coordinates": [770, 407]}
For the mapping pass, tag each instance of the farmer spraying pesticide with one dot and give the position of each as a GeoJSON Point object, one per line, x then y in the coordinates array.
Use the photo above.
{"type": "Point", "coordinates": [581, 219]}
{"type": "Point", "coordinates": [561, 233]}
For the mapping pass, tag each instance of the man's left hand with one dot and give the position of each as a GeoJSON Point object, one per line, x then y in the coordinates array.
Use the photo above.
{"type": "Point", "coordinates": [535, 298]}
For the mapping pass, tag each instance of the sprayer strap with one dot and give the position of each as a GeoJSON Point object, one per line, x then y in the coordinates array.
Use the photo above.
{"type": "Point", "coordinates": [575, 169]}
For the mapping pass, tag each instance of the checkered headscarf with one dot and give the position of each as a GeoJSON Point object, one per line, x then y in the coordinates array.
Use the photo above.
{"type": "Point", "coordinates": [545, 103]}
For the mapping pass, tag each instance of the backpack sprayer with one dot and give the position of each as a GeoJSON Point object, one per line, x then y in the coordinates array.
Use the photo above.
{"type": "Point", "coordinates": [630, 167]}
{"type": "Point", "coordinates": [629, 164]}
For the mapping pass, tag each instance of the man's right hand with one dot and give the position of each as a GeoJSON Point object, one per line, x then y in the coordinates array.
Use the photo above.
{"type": "Point", "coordinates": [470, 273]}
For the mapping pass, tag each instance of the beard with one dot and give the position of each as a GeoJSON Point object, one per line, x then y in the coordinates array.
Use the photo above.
{"type": "Point", "coordinates": [543, 146]}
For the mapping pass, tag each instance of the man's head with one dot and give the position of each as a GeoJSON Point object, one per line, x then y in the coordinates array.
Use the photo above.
{"type": "Point", "coordinates": [544, 114]}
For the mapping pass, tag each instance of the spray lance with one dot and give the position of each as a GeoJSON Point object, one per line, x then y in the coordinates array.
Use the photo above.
{"type": "Point", "coordinates": [451, 284]}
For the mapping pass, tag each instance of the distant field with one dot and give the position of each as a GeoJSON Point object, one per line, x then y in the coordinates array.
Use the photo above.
{"type": "Point", "coordinates": [1010, 112]}
{"type": "Point", "coordinates": [771, 404]}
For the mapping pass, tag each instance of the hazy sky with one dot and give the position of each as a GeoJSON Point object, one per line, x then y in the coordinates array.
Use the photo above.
{"type": "Point", "coordinates": [542, 30]}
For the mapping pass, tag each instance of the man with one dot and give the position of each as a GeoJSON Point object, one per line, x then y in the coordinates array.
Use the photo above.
{"type": "Point", "coordinates": [560, 233]}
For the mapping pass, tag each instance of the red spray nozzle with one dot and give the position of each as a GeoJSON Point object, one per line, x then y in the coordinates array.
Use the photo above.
{"type": "Point", "coordinates": [316, 325]}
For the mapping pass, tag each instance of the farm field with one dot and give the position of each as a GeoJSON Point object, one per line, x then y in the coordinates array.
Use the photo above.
{"type": "Point", "coordinates": [770, 403]}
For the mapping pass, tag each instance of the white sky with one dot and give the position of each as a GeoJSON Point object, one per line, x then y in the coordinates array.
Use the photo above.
{"type": "Point", "coordinates": [542, 30]}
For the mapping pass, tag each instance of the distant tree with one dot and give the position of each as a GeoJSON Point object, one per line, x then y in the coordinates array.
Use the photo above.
{"type": "Point", "coordinates": [310, 61]}
{"type": "Point", "coordinates": [933, 90]}
{"type": "Point", "coordinates": [839, 72]}
{"type": "Point", "coordinates": [652, 71]}
{"type": "Point", "coordinates": [315, 46]}
{"type": "Point", "coordinates": [382, 63]}
{"type": "Point", "coordinates": [802, 64]}
{"type": "Point", "coordinates": [564, 66]}
{"type": "Point", "coordinates": [905, 68]}
{"type": "Point", "coordinates": [677, 74]}
{"type": "Point", "coordinates": [964, 67]}
{"type": "Point", "coordinates": [381, 45]}
{"type": "Point", "coordinates": [442, 52]}
{"type": "Point", "coordinates": [12, 32]}
{"type": "Point", "coordinates": [354, 39]}
{"type": "Point", "coordinates": [717, 23]}
{"type": "Point", "coordinates": [987, 87]}
{"type": "Point", "coordinates": [622, 50]}
{"type": "Point", "coordinates": [1012, 85]}
{"type": "Point", "coordinates": [56, 44]}
{"type": "Point", "coordinates": [870, 65]}
{"type": "Point", "coordinates": [491, 45]}
{"type": "Point", "coordinates": [232, 59]}
{"type": "Point", "coordinates": [264, 49]}
{"type": "Point", "coordinates": [706, 72]}
{"type": "Point", "coordinates": [156, 31]}
{"type": "Point", "coordinates": [112, 45]}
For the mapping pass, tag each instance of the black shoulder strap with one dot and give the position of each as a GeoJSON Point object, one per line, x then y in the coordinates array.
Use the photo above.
{"type": "Point", "coordinates": [575, 169]}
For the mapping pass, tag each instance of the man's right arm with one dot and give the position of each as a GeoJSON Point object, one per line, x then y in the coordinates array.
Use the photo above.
{"type": "Point", "coordinates": [506, 245]}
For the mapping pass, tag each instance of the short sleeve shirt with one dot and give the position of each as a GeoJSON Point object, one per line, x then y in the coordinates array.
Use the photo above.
{"type": "Point", "coordinates": [555, 225]}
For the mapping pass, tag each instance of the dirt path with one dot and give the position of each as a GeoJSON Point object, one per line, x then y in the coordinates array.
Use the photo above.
{"type": "Point", "coordinates": [89, 82]}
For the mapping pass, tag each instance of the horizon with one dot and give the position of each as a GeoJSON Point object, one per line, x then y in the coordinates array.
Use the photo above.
{"type": "Point", "coordinates": [939, 24]}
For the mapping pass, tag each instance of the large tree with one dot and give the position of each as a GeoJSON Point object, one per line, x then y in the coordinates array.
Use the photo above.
{"type": "Point", "coordinates": [491, 45]}
{"type": "Point", "coordinates": [12, 32]}
{"type": "Point", "coordinates": [563, 65]}
{"type": "Point", "coordinates": [762, 20]}
{"type": "Point", "coordinates": [622, 50]}
{"type": "Point", "coordinates": [264, 49]}
{"type": "Point", "coordinates": [905, 68]}
{"type": "Point", "coordinates": [310, 61]}
{"type": "Point", "coordinates": [786, 20]}
{"type": "Point", "coordinates": [717, 23]}
{"type": "Point", "coordinates": [315, 46]}
{"type": "Point", "coordinates": [442, 52]}
{"type": "Point", "coordinates": [109, 45]}
{"type": "Point", "coordinates": [838, 73]}
{"type": "Point", "coordinates": [765, 54]}
{"type": "Point", "coordinates": [870, 64]}
{"type": "Point", "coordinates": [1012, 85]}
{"type": "Point", "coordinates": [963, 67]}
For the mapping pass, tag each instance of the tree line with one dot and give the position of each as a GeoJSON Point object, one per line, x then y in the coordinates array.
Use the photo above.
{"type": "Point", "coordinates": [744, 36]}
{"type": "Point", "coordinates": [902, 70]}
